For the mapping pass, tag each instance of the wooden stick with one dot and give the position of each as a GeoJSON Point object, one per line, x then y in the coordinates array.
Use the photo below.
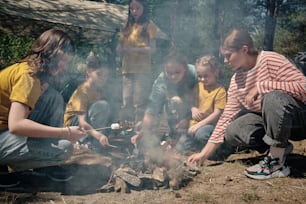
{"type": "Point", "coordinates": [102, 128]}
{"type": "Point", "coordinates": [112, 146]}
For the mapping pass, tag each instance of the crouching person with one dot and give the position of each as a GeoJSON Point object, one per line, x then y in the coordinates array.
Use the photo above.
{"type": "Point", "coordinates": [87, 106]}
{"type": "Point", "coordinates": [28, 142]}
{"type": "Point", "coordinates": [266, 106]}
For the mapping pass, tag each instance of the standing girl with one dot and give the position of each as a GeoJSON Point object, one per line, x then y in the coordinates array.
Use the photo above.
{"type": "Point", "coordinates": [136, 43]}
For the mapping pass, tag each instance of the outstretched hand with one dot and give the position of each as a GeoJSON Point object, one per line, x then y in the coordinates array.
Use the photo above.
{"type": "Point", "coordinates": [196, 158]}
{"type": "Point", "coordinates": [103, 140]}
{"type": "Point", "coordinates": [134, 138]}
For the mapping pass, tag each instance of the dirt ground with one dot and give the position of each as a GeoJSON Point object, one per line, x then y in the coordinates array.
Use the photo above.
{"type": "Point", "coordinates": [217, 182]}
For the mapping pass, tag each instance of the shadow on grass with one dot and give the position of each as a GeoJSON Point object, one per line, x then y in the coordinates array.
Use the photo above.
{"type": "Point", "coordinates": [85, 179]}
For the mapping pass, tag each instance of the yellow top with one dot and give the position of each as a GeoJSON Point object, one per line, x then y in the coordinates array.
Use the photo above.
{"type": "Point", "coordinates": [17, 84]}
{"type": "Point", "coordinates": [80, 101]}
{"type": "Point", "coordinates": [137, 62]}
{"type": "Point", "coordinates": [210, 100]}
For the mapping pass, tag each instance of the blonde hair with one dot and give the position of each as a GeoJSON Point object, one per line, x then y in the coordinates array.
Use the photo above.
{"type": "Point", "coordinates": [208, 60]}
{"type": "Point", "coordinates": [236, 39]}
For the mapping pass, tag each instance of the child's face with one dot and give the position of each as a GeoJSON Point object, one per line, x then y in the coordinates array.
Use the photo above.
{"type": "Point", "coordinates": [136, 9]}
{"type": "Point", "coordinates": [174, 72]}
{"type": "Point", "coordinates": [98, 76]}
{"type": "Point", "coordinates": [206, 75]}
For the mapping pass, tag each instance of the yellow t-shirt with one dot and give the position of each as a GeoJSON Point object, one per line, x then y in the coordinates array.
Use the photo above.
{"type": "Point", "coordinates": [137, 62]}
{"type": "Point", "coordinates": [210, 100]}
{"type": "Point", "coordinates": [16, 84]}
{"type": "Point", "coordinates": [80, 101]}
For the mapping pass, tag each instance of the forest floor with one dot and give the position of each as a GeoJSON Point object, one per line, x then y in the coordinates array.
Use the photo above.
{"type": "Point", "coordinates": [217, 182]}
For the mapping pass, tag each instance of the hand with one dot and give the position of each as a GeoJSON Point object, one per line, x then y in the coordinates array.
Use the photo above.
{"type": "Point", "coordinates": [197, 159]}
{"type": "Point", "coordinates": [197, 115]}
{"type": "Point", "coordinates": [75, 133]}
{"type": "Point", "coordinates": [183, 124]}
{"type": "Point", "coordinates": [135, 138]}
{"type": "Point", "coordinates": [193, 129]}
{"type": "Point", "coordinates": [103, 140]}
{"type": "Point", "coordinates": [251, 96]}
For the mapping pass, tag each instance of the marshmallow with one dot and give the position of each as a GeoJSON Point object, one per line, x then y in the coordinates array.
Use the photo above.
{"type": "Point", "coordinates": [115, 126]}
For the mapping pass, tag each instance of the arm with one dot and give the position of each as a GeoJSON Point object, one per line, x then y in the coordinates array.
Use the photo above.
{"type": "Point", "coordinates": [210, 119]}
{"type": "Point", "coordinates": [146, 126]}
{"type": "Point", "coordinates": [206, 152]}
{"type": "Point", "coordinates": [86, 126]}
{"type": "Point", "coordinates": [151, 48]}
{"type": "Point", "coordinates": [232, 108]}
{"type": "Point", "coordinates": [19, 124]}
{"type": "Point", "coordinates": [156, 102]}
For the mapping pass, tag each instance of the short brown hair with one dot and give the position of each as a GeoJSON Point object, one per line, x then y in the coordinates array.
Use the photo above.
{"type": "Point", "coordinates": [236, 39]}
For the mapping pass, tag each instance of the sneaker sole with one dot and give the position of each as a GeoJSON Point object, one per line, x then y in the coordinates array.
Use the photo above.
{"type": "Point", "coordinates": [277, 174]}
{"type": "Point", "coordinates": [34, 173]}
{"type": "Point", "coordinates": [59, 179]}
{"type": "Point", "coordinates": [9, 185]}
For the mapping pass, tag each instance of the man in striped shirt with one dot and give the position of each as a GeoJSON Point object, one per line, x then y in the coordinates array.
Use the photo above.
{"type": "Point", "coordinates": [266, 106]}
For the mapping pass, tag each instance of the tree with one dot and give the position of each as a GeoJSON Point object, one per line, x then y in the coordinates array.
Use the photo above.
{"type": "Point", "coordinates": [273, 7]}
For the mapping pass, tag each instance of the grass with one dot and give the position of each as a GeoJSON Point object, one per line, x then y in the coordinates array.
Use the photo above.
{"type": "Point", "coordinates": [249, 197]}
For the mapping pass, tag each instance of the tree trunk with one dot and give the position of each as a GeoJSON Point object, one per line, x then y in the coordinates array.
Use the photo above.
{"type": "Point", "coordinates": [272, 12]}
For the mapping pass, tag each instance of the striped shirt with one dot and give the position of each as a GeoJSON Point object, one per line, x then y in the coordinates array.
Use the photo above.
{"type": "Point", "coordinates": [271, 72]}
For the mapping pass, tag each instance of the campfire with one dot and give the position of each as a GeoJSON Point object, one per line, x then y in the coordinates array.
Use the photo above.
{"type": "Point", "coordinates": [167, 169]}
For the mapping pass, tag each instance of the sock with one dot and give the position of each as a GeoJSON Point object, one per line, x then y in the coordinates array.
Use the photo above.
{"type": "Point", "coordinates": [277, 152]}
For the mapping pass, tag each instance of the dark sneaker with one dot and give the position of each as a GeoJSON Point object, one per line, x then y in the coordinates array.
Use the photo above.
{"type": "Point", "coordinates": [8, 180]}
{"type": "Point", "coordinates": [266, 169]}
{"type": "Point", "coordinates": [55, 173]}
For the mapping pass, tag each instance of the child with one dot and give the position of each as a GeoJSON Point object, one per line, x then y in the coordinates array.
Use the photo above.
{"type": "Point", "coordinates": [266, 106]}
{"type": "Point", "coordinates": [172, 90]}
{"type": "Point", "coordinates": [210, 100]}
{"type": "Point", "coordinates": [86, 107]}
{"type": "Point", "coordinates": [24, 143]}
{"type": "Point", "coordinates": [136, 43]}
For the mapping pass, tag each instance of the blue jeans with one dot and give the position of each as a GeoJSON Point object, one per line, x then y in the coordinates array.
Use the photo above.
{"type": "Point", "coordinates": [98, 116]}
{"type": "Point", "coordinates": [282, 118]}
{"type": "Point", "coordinates": [22, 153]}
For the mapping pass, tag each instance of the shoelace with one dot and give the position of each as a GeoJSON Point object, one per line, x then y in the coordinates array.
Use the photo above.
{"type": "Point", "coordinates": [268, 162]}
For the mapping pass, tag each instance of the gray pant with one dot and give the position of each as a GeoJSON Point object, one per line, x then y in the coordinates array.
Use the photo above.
{"type": "Point", "coordinates": [22, 153]}
{"type": "Point", "coordinates": [136, 89]}
{"type": "Point", "coordinates": [282, 118]}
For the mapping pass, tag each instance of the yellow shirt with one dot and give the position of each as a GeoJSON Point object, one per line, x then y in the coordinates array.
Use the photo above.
{"type": "Point", "coordinates": [210, 100]}
{"type": "Point", "coordinates": [16, 84]}
{"type": "Point", "coordinates": [80, 101]}
{"type": "Point", "coordinates": [137, 62]}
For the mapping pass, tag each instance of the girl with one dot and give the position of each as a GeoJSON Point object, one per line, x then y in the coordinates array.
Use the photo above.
{"type": "Point", "coordinates": [172, 90]}
{"type": "Point", "coordinates": [86, 107]}
{"type": "Point", "coordinates": [136, 43]}
{"type": "Point", "coordinates": [210, 100]}
{"type": "Point", "coordinates": [25, 144]}
{"type": "Point", "coordinates": [266, 106]}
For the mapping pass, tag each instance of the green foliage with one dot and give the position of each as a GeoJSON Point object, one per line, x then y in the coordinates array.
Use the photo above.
{"type": "Point", "coordinates": [13, 48]}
